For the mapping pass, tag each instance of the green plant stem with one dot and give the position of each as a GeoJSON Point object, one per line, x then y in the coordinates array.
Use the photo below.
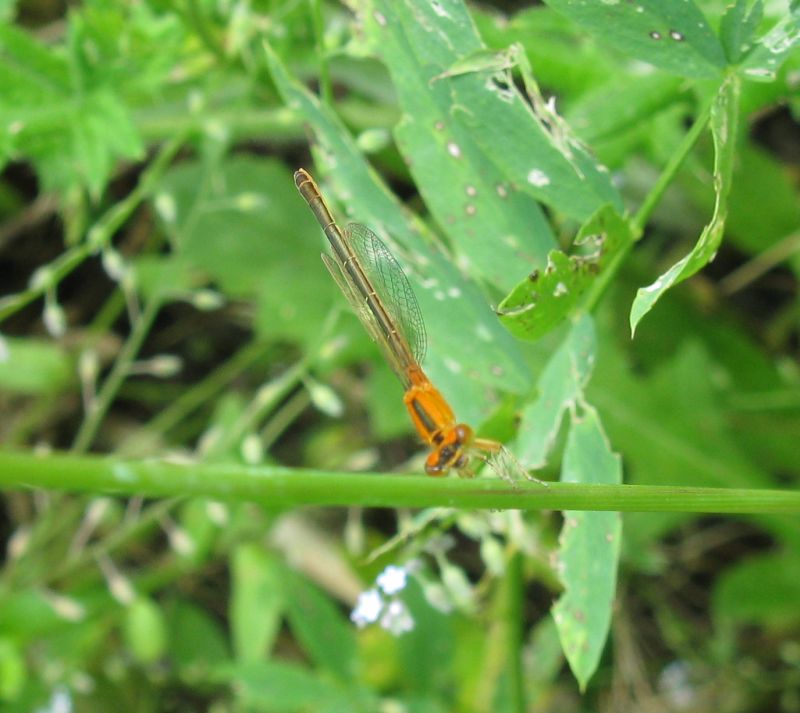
{"type": "Point", "coordinates": [672, 167]}
{"type": "Point", "coordinates": [100, 234]}
{"type": "Point", "coordinates": [207, 389]}
{"type": "Point", "coordinates": [271, 394]}
{"type": "Point", "coordinates": [639, 221]}
{"type": "Point", "coordinates": [279, 124]}
{"type": "Point", "coordinates": [283, 418]}
{"type": "Point", "coordinates": [514, 583]}
{"type": "Point", "coordinates": [325, 87]}
{"type": "Point", "coordinates": [195, 18]}
{"type": "Point", "coordinates": [59, 268]}
{"type": "Point", "coordinates": [123, 534]}
{"type": "Point", "coordinates": [281, 487]}
{"type": "Point", "coordinates": [119, 371]}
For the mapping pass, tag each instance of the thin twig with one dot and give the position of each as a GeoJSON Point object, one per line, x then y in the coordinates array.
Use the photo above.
{"type": "Point", "coordinates": [760, 264]}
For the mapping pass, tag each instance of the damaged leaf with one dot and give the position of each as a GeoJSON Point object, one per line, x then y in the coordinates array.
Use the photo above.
{"type": "Point", "coordinates": [547, 297]}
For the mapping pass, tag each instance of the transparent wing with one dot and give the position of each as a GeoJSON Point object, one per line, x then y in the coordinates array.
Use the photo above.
{"type": "Point", "coordinates": [502, 461]}
{"type": "Point", "coordinates": [365, 316]}
{"type": "Point", "coordinates": [391, 285]}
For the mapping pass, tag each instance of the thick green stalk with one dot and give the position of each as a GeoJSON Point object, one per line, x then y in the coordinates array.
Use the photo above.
{"type": "Point", "coordinates": [281, 487]}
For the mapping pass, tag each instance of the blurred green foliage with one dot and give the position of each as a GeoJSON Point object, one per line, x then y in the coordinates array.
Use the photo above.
{"type": "Point", "coordinates": [160, 270]}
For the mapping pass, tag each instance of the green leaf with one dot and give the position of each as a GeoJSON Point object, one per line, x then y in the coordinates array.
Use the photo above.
{"type": "Point", "coordinates": [427, 652]}
{"type": "Point", "coordinates": [560, 387]}
{"type": "Point", "coordinates": [171, 275]}
{"type": "Point", "coordinates": [231, 221]}
{"type": "Point", "coordinates": [548, 656]}
{"type": "Point", "coordinates": [724, 115]}
{"type": "Point", "coordinates": [295, 295]}
{"type": "Point", "coordinates": [480, 156]}
{"type": "Point", "coordinates": [673, 35]}
{"type": "Point", "coordinates": [8, 9]}
{"type": "Point", "coordinates": [553, 44]}
{"type": "Point", "coordinates": [277, 687]}
{"type": "Point", "coordinates": [256, 603]}
{"type": "Point", "coordinates": [621, 104]}
{"type": "Point", "coordinates": [542, 301]}
{"type": "Point", "coordinates": [386, 420]}
{"type": "Point", "coordinates": [773, 48]}
{"type": "Point", "coordinates": [196, 641]}
{"type": "Point", "coordinates": [234, 224]}
{"type": "Point", "coordinates": [34, 366]}
{"type": "Point", "coordinates": [13, 671]}
{"type": "Point", "coordinates": [737, 27]}
{"type": "Point", "coordinates": [103, 131]}
{"type": "Point", "coordinates": [73, 132]}
{"type": "Point", "coordinates": [195, 519]}
{"type": "Point", "coordinates": [760, 590]}
{"type": "Point", "coordinates": [761, 180]}
{"type": "Point", "coordinates": [671, 429]}
{"type": "Point", "coordinates": [34, 84]}
{"type": "Point", "coordinates": [30, 70]}
{"type": "Point", "coordinates": [145, 630]}
{"type": "Point", "coordinates": [324, 634]}
{"type": "Point", "coordinates": [467, 348]}
{"type": "Point", "coordinates": [589, 550]}
{"type": "Point", "coordinates": [28, 615]}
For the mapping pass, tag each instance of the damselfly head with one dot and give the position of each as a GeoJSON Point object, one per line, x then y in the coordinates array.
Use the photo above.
{"type": "Point", "coordinates": [451, 451]}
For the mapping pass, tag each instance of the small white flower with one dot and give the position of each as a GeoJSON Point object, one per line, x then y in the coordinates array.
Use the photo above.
{"type": "Point", "coordinates": [55, 320]}
{"type": "Point", "coordinates": [397, 619]}
{"type": "Point", "coordinates": [392, 580]}
{"type": "Point", "coordinates": [60, 702]}
{"type": "Point", "coordinates": [88, 366]}
{"type": "Point", "coordinates": [368, 608]}
{"type": "Point", "coordinates": [252, 449]}
{"type": "Point", "coordinates": [206, 300]}
{"type": "Point", "coordinates": [164, 365]}
{"type": "Point", "coordinates": [113, 264]}
{"type": "Point", "coordinates": [41, 279]}
{"type": "Point", "coordinates": [324, 398]}
{"type": "Point", "coordinates": [217, 512]}
{"type": "Point", "coordinates": [436, 595]}
{"type": "Point", "coordinates": [118, 584]}
{"type": "Point", "coordinates": [65, 607]}
{"type": "Point", "coordinates": [179, 539]}
{"type": "Point", "coordinates": [166, 207]}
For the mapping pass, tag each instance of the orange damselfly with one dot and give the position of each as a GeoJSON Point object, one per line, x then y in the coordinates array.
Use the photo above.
{"type": "Point", "coordinates": [379, 292]}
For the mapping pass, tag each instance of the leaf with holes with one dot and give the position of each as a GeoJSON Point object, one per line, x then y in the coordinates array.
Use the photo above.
{"type": "Point", "coordinates": [770, 51]}
{"type": "Point", "coordinates": [724, 113]}
{"type": "Point", "coordinates": [547, 297]}
{"type": "Point", "coordinates": [480, 155]}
